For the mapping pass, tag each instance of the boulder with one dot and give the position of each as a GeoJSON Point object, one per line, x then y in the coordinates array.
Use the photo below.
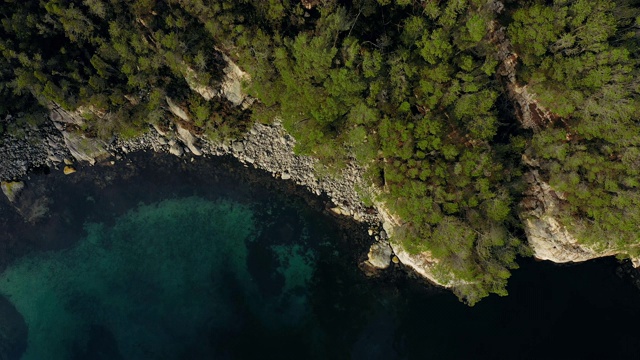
{"type": "Point", "coordinates": [188, 139]}
{"type": "Point", "coordinates": [380, 255]}
{"type": "Point", "coordinates": [238, 146]}
{"type": "Point", "coordinates": [176, 150]}
{"type": "Point", "coordinates": [68, 170]}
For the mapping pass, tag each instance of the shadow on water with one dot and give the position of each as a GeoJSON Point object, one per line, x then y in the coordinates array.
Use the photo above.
{"type": "Point", "coordinates": [291, 289]}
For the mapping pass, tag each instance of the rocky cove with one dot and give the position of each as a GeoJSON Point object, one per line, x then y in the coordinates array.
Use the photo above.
{"type": "Point", "coordinates": [550, 307]}
{"type": "Point", "coordinates": [265, 147]}
{"type": "Point", "coordinates": [59, 144]}
{"type": "Point", "coordinates": [56, 146]}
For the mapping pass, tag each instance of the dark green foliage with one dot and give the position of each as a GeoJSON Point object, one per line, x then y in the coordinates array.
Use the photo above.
{"type": "Point", "coordinates": [106, 58]}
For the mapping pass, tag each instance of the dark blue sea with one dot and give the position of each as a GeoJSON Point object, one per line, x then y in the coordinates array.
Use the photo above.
{"type": "Point", "coordinates": [161, 258]}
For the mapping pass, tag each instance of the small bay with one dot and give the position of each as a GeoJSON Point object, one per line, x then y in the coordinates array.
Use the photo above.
{"type": "Point", "coordinates": [155, 257]}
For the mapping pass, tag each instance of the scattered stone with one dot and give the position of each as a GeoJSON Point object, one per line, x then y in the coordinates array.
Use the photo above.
{"type": "Point", "coordinates": [68, 162]}
{"type": "Point", "coordinates": [238, 146]}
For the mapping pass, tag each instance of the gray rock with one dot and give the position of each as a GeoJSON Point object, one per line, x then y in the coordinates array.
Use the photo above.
{"type": "Point", "coordinates": [380, 255]}
{"type": "Point", "coordinates": [54, 158]}
{"type": "Point", "coordinates": [60, 115]}
{"type": "Point", "coordinates": [238, 146]}
{"type": "Point", "coordinates": [83, 148]}
{"type": "Point", "coordinates": [188, 139]}
{"type": "Point", "coordinates": [177, 110]}
{"type": "Point", "coordinates": [159, 130]}
{"type": "Point", "coordinates": [176, 150]}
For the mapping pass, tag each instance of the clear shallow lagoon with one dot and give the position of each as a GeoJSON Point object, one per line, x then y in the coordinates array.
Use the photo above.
{"type": "Point", "coordinates": [172, 260]}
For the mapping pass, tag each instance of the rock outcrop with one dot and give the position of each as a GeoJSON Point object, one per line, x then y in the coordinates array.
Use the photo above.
{"type": "Point", "coordinates": [540, 209]}
{"type": "Point", "coordinates": [422, 263]}
{"type": "Point", "coordinates": [83, 148]}
{"type": "Point", "coordinates": [191, 77]}
{"type": "Point", "coordinates": [231, 87]}
{"type": "Point", "coordinates": [530, 113]}
{"type": "Point", "coordinates": [188, 139]}
{"type": "Point", "coordinates": [177, 110]}
{"type": "Point", "coordinates": [547, 236]}
{"type": "Point", "coordinates": [60, 115]}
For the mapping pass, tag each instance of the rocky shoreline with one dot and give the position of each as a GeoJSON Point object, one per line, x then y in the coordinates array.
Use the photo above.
{"type": "Point", "coordinates": [57, 146]}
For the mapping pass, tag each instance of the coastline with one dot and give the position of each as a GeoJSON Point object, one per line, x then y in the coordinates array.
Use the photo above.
{"type": "Point", "coordinates": [264, 147]}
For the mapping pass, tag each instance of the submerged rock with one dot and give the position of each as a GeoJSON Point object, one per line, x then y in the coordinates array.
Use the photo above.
{"type": "Point", "coordinates": [12, 189]}
{"type": "Point", "coordinates": [68, 170]}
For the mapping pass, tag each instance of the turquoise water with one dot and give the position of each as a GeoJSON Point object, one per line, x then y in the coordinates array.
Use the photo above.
{"type": "Point", "coordinates": [145, 280]}
{"type": "Point", "coordinates": [172, 260]}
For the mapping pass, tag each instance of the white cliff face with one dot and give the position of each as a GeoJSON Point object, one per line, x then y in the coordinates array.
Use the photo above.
{"type": "Point", "coordinates": [422, 263]}
{"type": "Point", "coordinates": [548, 238]}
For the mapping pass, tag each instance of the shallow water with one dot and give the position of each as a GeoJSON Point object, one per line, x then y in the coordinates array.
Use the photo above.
{"type": "Point", "coordinates": [170, 259]}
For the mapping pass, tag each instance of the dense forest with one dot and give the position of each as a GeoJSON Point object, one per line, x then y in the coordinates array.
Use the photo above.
{"type": "Point", "coordinates": [409, 89]}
